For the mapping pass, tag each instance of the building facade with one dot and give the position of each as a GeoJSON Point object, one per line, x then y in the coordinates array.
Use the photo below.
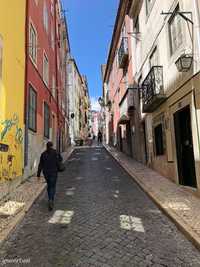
{"type": "Point", "coordinates": [45, 98]}
{"type": "Point", "coordinates": [12, 79]}
{"type": "Point", "coordinates": [85, 108]}
{"type": "Point", "coordinates": [75, 82]}
{"type": "Point", "coordinates": [79, 103]}
{"type": "Point", "coordinates": [163, 50]}
{"type": "Point", "coordinates": [170, 92]}
{"type": "Point", "coordinates": [121, 100]}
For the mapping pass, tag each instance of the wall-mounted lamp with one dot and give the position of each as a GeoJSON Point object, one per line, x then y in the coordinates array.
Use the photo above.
{"type": "Point", "coordinates": [184, 62]}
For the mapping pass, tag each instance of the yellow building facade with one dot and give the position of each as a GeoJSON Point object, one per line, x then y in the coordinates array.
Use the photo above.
{"type": "Point", "coordinates": [12, 81]}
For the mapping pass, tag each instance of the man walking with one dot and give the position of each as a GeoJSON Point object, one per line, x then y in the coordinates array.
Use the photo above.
{"type": "Point", "coordinates": [99, 137]}
{"type": "Point", "coordinates": [49, 164]}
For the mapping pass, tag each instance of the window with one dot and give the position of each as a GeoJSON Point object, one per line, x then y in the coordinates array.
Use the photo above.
{"type": "Point", "coordinates": [1, 56]}
{"type": "Point", "coordinates": [175, 31]}
{"type": "Point", "coordinates": [52, 7]}
{"type": "Point", "coordinates": [46, 120]}
{"type": "Point", "coordinates": [153, 60]}
{"type": "Point", "coordinates": [45, 17]}
{"type": "Point", "coordinates": [159, 145]}
{"type": "Point", "coordinates": [32, 114]}
{"type": "Point", "coordinates": [33, 43]}
{"type": "Point", "coordinates": [136, 25]}
{"type": "Point", "coordinates": [123, 33]}
{"type": "Point", "coordinates": [45, 69]}
{"type": "Point", "coordinates": [149, 5]}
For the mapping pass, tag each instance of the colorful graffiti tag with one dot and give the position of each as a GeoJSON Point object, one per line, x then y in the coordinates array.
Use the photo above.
{"type": "Point", "coordinates": [8, 124]}
{"type": "Point", "coordinates": [11, 139]}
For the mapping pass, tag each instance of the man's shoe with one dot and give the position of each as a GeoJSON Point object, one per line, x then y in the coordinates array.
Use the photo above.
{"type": "Point", "coordinates": [50, 205]}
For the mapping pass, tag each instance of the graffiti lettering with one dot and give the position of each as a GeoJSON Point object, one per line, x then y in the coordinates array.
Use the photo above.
{"type": "Point", "coordinates": [8, 125]}
{"type": "Point", "coordinates": [19, 135]}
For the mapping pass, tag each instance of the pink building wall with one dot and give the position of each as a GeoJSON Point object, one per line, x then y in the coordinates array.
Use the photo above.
{"type": "Point", "coordinates": [117, 81]}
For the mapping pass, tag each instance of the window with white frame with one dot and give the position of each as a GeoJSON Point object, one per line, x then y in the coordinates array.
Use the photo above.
{"type": "Point", "coordinates": [45, 17]}
{"type": "Point", "coordinates": [33, 43]}
{"type": "Point", "coordinates": [175, 31]}
{"type": "Point", "coordinates": [149, 5]}
{"type": "Point", "coordinates": [45, 69]}
{"type": "Point", "coordinates": [1, 56]}
{"type": "Point", "coordinates": [32, 114]}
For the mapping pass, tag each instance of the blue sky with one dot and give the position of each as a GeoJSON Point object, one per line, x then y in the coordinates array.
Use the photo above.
{"type": "Point", "coordinates": [90, 25]}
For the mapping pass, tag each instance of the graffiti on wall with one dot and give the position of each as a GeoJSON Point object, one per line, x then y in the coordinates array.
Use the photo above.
{"type": "Point", "coordinates": [8, 124]}
{"type": "Point", "coordinates": [10, 153]}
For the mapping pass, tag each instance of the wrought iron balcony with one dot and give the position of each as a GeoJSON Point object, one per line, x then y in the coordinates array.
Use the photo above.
{"type": "Point", "coordinates": [153, 90]}
{"type": "Point", "coordinates": [123, 53]}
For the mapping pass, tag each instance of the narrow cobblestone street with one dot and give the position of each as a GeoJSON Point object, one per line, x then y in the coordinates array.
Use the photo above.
{"type": "Point", "coordinates": [101, 218]}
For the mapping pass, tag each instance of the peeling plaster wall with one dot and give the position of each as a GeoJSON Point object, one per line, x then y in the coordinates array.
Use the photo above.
{"type": "Point", "coordinates": [12, 28]}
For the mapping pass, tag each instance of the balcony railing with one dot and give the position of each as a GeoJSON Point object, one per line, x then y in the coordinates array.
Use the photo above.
{"type": "Point", "coordinates": [153, 90]}
{"type": "Point", "coordinates": [123, 52]}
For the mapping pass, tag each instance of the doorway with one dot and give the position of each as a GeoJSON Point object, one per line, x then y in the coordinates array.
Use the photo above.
{"type": "Point", "coordinates": [145, 141]}
{"type": "Point", "coordinates": [184, 147]}
{"type": "Point", "coordinates": [120, 139]}
{"type": "Point", "coordinates": [129, 139]}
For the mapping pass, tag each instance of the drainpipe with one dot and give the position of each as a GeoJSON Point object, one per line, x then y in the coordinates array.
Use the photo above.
{"type": "Point", "coordinates": [26, 94]}
{"type": "Point", "coordinates": [56, 76]}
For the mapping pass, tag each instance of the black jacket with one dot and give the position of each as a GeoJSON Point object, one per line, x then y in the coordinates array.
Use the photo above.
{"type": "Point", "coordinates": [49, 162]}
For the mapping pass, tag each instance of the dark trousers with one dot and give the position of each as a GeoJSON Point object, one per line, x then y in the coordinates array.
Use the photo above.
{"type": "Point", "coordinates": [51, 186]}
{"type": "Point", "coordinates": [99, 140]}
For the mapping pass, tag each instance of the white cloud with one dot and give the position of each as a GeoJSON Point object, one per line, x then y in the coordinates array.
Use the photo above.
{"type": "Point", "coordinates": [95, 104]}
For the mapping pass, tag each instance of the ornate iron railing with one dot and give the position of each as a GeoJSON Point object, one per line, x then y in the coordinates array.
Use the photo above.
{"type": "Point", "coordinates": [123, 52]}
{"type": "Point", "coordinates": [152, 88]}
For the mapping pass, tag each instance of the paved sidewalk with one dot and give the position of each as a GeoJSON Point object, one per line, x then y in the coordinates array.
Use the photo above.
{"type": "Point", "coordinates": [181, 205]}
{"type": "Point", "coordinates": [14, 208]}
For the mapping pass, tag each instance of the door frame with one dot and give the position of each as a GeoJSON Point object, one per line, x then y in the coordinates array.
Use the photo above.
{"type": "Point", "coordinates": [182, 103]}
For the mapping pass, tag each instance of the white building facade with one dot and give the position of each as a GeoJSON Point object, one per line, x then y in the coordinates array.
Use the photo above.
{"type": "Point", "coordinates": [164, 34]}
{"type": "Point", "coordinates": [75, 87]}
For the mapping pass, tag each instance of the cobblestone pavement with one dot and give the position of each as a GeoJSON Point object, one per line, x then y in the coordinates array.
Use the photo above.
{"type": "Point", "coordinates": [101, 219]}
